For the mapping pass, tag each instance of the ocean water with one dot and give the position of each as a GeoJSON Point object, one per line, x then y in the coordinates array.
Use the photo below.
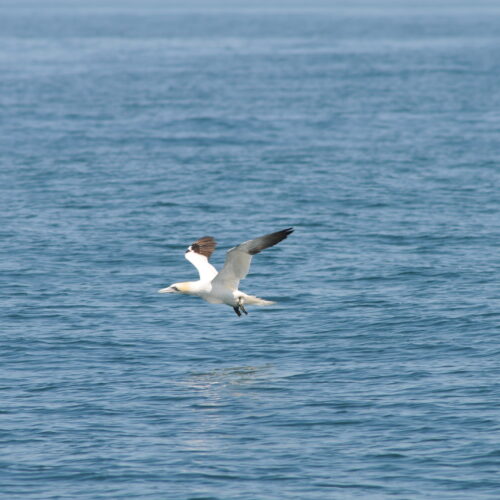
{"type": "Point", "coordinates": [128, 130]}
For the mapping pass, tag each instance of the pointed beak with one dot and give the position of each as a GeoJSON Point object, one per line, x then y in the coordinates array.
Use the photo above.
{"type": "Point", "coordinates": [169, 289]}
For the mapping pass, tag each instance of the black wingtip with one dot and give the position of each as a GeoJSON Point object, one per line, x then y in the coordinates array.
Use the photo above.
{"type": "Point", "coordinates": [281, 235]}
{"type": "Point", "coordinates": [204, 246]}
{"type": "Point", "coordinates": [268, 240]}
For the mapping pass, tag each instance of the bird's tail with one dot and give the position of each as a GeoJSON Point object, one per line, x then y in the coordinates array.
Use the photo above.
{"type": "Point", "coordinates": [252, 300]}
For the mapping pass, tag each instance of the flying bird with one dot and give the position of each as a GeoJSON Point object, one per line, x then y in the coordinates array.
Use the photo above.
{"type": "Point", "coordinates": [222, 287]}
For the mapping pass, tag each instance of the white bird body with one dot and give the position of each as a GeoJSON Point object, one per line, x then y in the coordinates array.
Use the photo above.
{"type": "Point", "coordinates": [222, 287]}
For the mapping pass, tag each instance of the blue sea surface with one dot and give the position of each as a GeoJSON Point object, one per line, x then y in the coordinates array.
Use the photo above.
{"type": "Point", "coordinates": [130, 129]}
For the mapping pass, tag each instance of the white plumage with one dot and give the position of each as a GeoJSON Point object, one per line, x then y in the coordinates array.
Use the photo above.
{"type": "Point", "coordinates": [222, 287]}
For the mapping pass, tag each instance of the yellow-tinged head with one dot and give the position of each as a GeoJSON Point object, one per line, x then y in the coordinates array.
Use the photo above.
{"type": "Point", "coordinates": [177, 288]}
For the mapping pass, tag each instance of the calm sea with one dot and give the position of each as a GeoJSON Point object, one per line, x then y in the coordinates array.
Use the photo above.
{"type": "Point", "coordinates": [128, 130]}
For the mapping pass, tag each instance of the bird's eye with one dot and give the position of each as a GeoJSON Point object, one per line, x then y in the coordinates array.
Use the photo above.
{"type": "Point", "coordinates": [175, 288]}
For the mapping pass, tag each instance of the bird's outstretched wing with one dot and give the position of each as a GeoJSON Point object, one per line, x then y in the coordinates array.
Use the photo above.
{"type": "Point", "coordinates": [198, 254]}
{"type": "Point", "coordinates": [238, 259]}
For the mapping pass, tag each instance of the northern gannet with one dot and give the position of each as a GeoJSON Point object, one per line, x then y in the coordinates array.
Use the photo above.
{"type": "Point", "coordinates": [222, 287]}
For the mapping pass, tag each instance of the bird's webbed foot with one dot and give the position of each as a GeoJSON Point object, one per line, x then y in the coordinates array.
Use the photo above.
{"type": "Point", "coordinates": [241, 306]}
{"type": "Point", "coordinates": [237, 310]}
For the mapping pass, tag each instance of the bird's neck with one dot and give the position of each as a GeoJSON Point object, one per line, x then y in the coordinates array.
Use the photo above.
{"type": "Point", "coordinates": [192, 287]}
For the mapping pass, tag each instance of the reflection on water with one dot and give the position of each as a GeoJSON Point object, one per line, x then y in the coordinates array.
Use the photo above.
{"type": "Point", "coordinates": [219, 391]}
{"type": "Point", "coordinates": [237, 375]}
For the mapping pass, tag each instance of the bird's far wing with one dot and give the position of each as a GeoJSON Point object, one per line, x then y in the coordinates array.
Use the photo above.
{"type": "Point", "coordinates": [238, 259]}
{"type": "Point", "coordinates": [198, 254]}
{"type": "Point", "coordinates": [235, 268]}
